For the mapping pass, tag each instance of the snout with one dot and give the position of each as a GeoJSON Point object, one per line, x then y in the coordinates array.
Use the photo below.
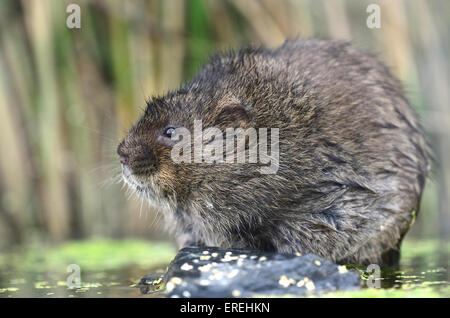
{"type": "Point", "coordinates": [137, 157]}
{"type": "Point", "coordinates": [123, 157]}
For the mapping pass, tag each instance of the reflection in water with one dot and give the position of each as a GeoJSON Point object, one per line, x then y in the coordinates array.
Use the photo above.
{"type": "Point", "coordinates": [423, 267]}
{"type": "Point", "coordinates": [117, 283]}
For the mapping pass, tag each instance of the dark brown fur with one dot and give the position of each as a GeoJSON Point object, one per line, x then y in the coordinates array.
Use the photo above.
{"type": "Point", "coordinates": [353, 159]}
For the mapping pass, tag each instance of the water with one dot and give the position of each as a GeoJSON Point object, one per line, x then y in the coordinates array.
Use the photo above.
{"type": "Point", "coordinates": [423, 273]}
{"type": "Point", "coordinates": [108, 268]}
{"type": "Point", "coordinates": [114, 283]}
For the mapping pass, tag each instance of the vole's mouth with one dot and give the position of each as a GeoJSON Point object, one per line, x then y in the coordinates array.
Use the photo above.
{"type": "Point", "coordinates": [148, 190]}
{"type": "Point", "coordinates": [134, 182]}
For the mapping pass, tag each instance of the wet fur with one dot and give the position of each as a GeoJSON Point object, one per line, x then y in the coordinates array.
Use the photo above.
{"type": "Point", "coordinates": [353, 159]}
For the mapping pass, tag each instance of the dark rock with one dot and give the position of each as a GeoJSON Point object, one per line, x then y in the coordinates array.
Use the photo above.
{"type": "Point", "coordinates": [216, 272]}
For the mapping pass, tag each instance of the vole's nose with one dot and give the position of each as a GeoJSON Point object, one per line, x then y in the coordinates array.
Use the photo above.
{"type": "Point", "coordinates": [123, 157]}
{"type": "Point", "coordinates": [123, 160]}
{"type": "Point", "coordinates": [138, 159]}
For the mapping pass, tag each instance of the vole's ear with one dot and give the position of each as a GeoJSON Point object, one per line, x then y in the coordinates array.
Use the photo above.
{"type": "Point", "coordinates": [231, 113]}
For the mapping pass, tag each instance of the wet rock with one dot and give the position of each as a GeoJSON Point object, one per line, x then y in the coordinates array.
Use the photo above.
{"type": "Point", "coordinates": [216, 272]}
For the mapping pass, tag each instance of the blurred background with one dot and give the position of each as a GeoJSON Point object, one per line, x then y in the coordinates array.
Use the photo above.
{"type": "Point", "coordinates": [67, 96]}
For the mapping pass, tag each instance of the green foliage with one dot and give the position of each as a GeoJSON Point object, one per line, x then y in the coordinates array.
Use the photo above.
{"type": "Point", "coordinates": [200, 41]}
{"type": "Point", "coordinates": [92, 255]}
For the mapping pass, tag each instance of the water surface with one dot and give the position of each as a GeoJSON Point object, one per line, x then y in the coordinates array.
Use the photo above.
{"type": "Point", "coordinates": [114, 268]}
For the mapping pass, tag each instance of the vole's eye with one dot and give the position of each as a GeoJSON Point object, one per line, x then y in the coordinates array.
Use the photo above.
{"type": "Point", "coordinates": [169, 131]}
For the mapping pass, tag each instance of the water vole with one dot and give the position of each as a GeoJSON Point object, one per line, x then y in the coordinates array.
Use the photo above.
{"type": "Point", "coordinates": [352, 157]}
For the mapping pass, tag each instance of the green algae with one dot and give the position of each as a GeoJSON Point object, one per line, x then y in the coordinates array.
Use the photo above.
{"type": "Point", "coordinates": [108, 268]}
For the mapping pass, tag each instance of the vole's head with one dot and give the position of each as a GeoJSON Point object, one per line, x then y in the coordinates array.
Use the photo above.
{"type": "Point", "coordinates": [145, 153]}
